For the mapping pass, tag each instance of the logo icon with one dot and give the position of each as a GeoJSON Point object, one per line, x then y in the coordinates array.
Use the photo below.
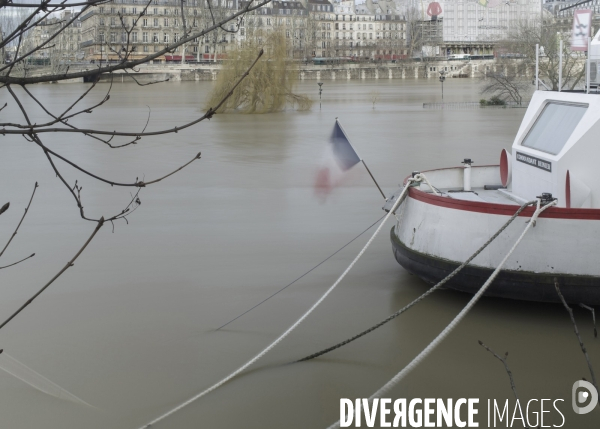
{"type": "Point", "coordinates": [585, 397]}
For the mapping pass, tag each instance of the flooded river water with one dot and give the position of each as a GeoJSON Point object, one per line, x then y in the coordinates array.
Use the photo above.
{"type": "Point", "coordinates": [130, 329]}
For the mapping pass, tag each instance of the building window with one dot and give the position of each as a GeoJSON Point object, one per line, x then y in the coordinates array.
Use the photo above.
{"type": "Point", "coordinates": [101, 36]}
{"type": "Point", "coordinates": [113, 37]}
{"type": "Point", "coordinates": [134, 38]}
{"type": "Point", "coordinates": [156, 22]}
{"type": "Point", "coordinates": [144, 22]}
{"type": "Point", "coordinates": [166, 37]}
{"type": "Point", "coordinates": [155, 37]}
{"type": "Point", "coordinates": [134, 10]}
{"type": "Point", "coordinates": [176, 37]}
{"type": "Point", "coordinates": [145, 48]}
{"type": "Point", "coordinates": [166, 22]}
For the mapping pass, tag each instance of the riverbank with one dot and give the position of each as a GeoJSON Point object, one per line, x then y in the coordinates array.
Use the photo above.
{"type": "Point", "coordinates": [206, 72]}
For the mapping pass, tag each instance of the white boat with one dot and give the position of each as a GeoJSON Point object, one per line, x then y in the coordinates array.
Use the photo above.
{"type": "Point", "coordinates": [555, 154]}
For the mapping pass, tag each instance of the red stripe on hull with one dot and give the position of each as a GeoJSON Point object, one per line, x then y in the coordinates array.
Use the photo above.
{"type": "Point", "coordinates": [502, 209]}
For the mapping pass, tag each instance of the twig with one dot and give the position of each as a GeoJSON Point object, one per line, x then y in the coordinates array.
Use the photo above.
{"type": "Point", "coordinates": [107, 142]}
{"type": "Point", "coordinates": [583, 349]}
{"type": "Point", "coordinates": [147, 83]}
{"type": "Point", "coordinates": [208, 115]}
{"type": "Point", "coordinates": [593, 317]}
{"type": "Point", "coordinates": [77, 196]}
{"type": "Point", "coordinates": [137, 183]}
{"type": "Point", "coordinates": [251, 6]}
{"type": "Point", "coordinates": [18, 262]}
{"type": "Point", "coordinates": [18, 58]}
{"type": "Point", "coordinates": [69, 264]}
{"type": "Point", "coordinates": [21, 221]}
{"type": "Point", "coordinates": [508, 371]}
{"type": "Point", "coordinates": [58, 6]}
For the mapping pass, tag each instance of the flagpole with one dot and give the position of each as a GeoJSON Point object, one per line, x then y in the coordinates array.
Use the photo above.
{"type": "Point", "coordinates": [361, 160]}
{"type": "Point", "coordinates": [376, 184]}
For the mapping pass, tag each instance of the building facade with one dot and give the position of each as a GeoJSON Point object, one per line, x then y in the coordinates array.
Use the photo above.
{"type": "Point", "coordinates": [469, 26]}
{"type": "Point", "coordinates": [111, 29]}
{"type": "Point", "coordinates": [314, 28]}
{"type": "Point", "coordinates": [63, 48]}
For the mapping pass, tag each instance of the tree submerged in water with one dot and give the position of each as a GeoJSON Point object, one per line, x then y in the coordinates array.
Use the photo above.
{"type": "Point", "coordinates": [268, 87]}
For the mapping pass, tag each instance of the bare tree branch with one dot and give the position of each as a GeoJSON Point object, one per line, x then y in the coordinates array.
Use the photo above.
{"type": "Point", "coordinates": [107, 142]}
{"type": "Point", "coordinates": [124, 64]}
{"type": "Point", "coordinates": [21, 221]}
{"type": "Point", "coordinates": [508, 371]}
{"type": "Point", "coordinates": [209, 114]}
{"type": "Point", "coordinates": [65, 268]}
{"type": "Point", "coordinates": [591, 309]}
{"type": "Point", "coordinates": [18, 262]}
{"type": "Point", "coordinates": [47, 4]}
{"type": "Point", "coordinates": [583, 349]}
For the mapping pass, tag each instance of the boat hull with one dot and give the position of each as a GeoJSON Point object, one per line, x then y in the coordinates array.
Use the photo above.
{"type": "Point", "coordinates": [519, 285]}
{"type": "Point", "coordinates": [435, 234]}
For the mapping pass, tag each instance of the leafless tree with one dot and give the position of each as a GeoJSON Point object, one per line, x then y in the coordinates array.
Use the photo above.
{"type": "Point", "coordinates": [16, 79]}
{"type": "Point", "coordinates": [521, 42]}
{"type": "Point", "coordinates": [414, 32]}
{"type": "Point", "coordinates": [506, 83]}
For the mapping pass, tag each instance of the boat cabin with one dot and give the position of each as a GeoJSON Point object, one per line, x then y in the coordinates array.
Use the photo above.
{"type": "Point", "coordinates": [557, 150]}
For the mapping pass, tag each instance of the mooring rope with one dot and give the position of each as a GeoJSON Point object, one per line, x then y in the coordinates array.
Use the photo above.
{"type": "Point", "coordinates": [422, 297]}
{"type": "Point", "coordinates": [418, 177]}
{"type": "Point", "coordinates": [308, 272]}
{"type": "Point", "coordinates": [427, 350]}
{"type": "Point", "coordinates": [433, 189]}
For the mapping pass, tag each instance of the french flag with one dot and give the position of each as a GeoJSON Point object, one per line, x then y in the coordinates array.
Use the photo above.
{"type": "Point", "coordinates": [340, 156]}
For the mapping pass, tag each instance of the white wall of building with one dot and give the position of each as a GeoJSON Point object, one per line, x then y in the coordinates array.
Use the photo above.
{"type": "Point", "coordinates": [470, 21]}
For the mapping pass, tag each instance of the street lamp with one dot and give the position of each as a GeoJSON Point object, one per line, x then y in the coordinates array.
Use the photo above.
{"type": "Point", "coordinates": [320, 91]}
{"type": "Point", "coordinates": [442, 79]}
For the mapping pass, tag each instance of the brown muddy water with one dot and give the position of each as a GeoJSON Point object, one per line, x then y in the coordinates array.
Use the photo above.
{"type": "Point", "coordinates": [130, 329]}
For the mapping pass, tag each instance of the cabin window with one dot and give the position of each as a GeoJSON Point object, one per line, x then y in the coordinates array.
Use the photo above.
{"type": "Point", "coordinates": [554, 126]}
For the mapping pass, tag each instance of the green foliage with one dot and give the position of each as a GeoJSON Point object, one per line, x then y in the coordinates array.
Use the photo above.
{"type": "Point", "coordinates": [268, 86]}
